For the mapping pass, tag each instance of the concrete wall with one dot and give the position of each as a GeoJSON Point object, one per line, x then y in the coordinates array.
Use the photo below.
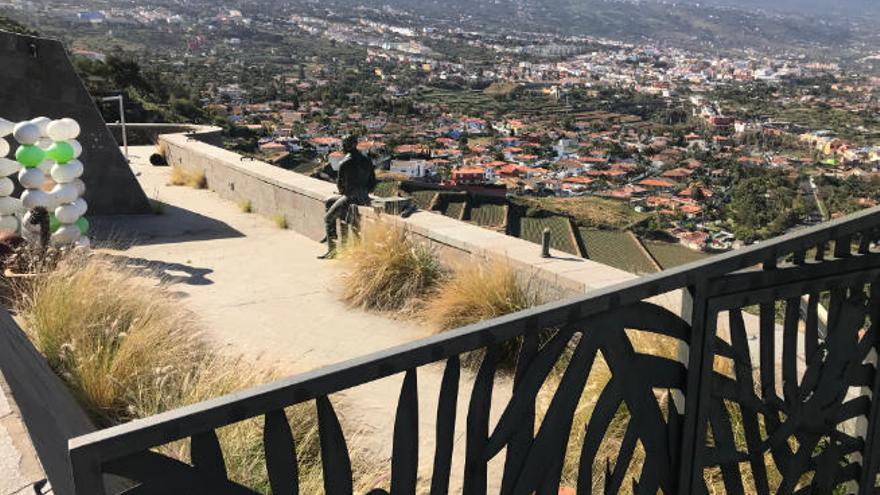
{"type": "Point", "coordinates": [148, 133]}
{"type": "Point", "coordinates": [270, 190]}
{"type": "Point", "coordinates": [39, 80]}
{"type": "Point", "coordinates": [273, 190]}
{"type": "Point", "coordinates": [43, 404]}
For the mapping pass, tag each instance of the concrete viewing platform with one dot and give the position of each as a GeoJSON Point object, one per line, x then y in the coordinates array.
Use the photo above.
{"type": "Point", "coordinates": [261, 295]}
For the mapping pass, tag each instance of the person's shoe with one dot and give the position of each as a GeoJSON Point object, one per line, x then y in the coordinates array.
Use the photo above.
{"type": "Point", "coordinates": [323, 240]}
{"type": "Point", "coordinates": [329, 255]}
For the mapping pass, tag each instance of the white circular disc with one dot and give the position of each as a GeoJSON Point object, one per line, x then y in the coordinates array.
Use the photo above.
{"type": "Point", "coordinates": [26, 132]}
{"type": "Point", "coordinates": [6, 186]}
{"type": "Point", "coordinates": [80, 186]}
{"type": "Point", "coordinates": [4, 147]}
{"type": "Point", "coordinates": [67, 172]}
{"type": "Point", "coordinates": [45, 143]}
{"type": "Point", "coordinates": [9, 167]}
{"type": "Point", "coordinates": [72, 128]}
{"type": "Point", "coordinates": [6, 127]}
{"type": "Point", "coordinates": [9, 205]}
{"type": "Point", "coordinates": [77, 147]}
{"type": "Point", "coordinates": [82, 206]}
{"type": "Point", "coordinates": [32, 198]}
{"type": "Point", "coordinates": [42, 123]}
{"type": "Point", "coordinates": [64, 193]}
{"type": "Point", "coordinates": [31, 178]}
{"type": "Point", "coordinates": [68, 213]}
{"type": "Point", "coordinates": [83, 242]}
{"type": "Point", "coordinates": [46, 166]}
{"type": "Point", "coordinates": [66, 234]}
{"type": "Point", "coordinates": [8, 223]}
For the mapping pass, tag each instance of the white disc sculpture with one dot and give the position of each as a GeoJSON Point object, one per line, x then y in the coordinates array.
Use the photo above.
{"type": "Point", "coordinates": [49, 148]}
{"type": "Point", "coordinates": [9, 205]}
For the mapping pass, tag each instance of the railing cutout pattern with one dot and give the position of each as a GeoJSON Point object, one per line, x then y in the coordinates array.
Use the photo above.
{"type": "Point", "coordinates": [747, 392]}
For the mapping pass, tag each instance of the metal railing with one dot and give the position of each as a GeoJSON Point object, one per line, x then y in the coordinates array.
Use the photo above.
{"type": "Point", "coordinates": [766, 404]}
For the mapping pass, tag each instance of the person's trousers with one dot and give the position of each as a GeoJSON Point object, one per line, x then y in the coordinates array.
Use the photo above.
{"type": "Point", "coordinates": [337, 207]}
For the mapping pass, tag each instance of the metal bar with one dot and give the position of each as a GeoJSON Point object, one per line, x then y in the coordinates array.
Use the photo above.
{"type": "Point", "coordinates": [871, 455]}
{"type": "Point", "coordinates": [142, 434]}
{"type": "Point", "coordinates": [697, 392]}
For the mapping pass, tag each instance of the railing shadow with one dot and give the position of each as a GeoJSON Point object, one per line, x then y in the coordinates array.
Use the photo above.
{"type": "Point", "coordinates": [167, 273]}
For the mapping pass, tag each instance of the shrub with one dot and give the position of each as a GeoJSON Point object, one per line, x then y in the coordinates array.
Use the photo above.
{"type": "Point", "coordinates": [280, 221]}
{"type": "Point", "coordinates": [195, 179]}
{"type": "Point", "coordinates": [246, 206]}
{"type": "Point", "coordinates": [386, 270]}
{"type": "Point", "coordinates": [481, 292]}
{"type": "Point", "coordinates": [100, 330]}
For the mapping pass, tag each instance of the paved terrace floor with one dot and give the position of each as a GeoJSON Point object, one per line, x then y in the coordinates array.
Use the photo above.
{"type": "Point", "coordinates": [262, 295]}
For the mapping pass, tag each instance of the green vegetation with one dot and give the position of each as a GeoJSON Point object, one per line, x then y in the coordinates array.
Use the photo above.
{"type": "Point", "coordinates": [588, 211]}
{"type": "Point", "coordinates": [844, 196]}
{"type": "Point", "coordinates": [13, 26]}
{"type": "Point", "coordinates": [616, 248]}
{"type": "Point", "coordinates": [423, 199]}
{"type": "Point", "coordinates": [280, 221]}
{"type": "Point", "coordinates": [670, 255]}
{"type": "Point", "coordinates": [246, 206]}
{"type": "Point", "coordinates": [454, 209]}
{"type": "Point", "coordinates": [561, 236]}
{"type": "Point", "coordinates": [764, 205]}
{"type": "Point", "coordinates": [151, 96]}
{"type": "Point", "coordinates": [488, 215]}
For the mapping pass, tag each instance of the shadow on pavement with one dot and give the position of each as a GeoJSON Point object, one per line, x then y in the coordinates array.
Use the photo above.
{"type": "Point", "coordinates": [170, 273]}
{"type": "Point", "coordinates": [174, 224]}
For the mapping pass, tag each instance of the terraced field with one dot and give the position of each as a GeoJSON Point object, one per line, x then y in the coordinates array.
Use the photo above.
{"type": "Point", "coordinates": [488, 215]}
{"type": "Point", "coordinates": [386, 189]}
{"type": "Point", "coordinates": [423, 199]}
{"type": "Point", "coordinates": [616, 248]}
{"type": "Point", "coordinates": [670, 255]}
{"type": "Point", "coordinates": [454, 209]}
{"type": "Point", "coordinates": [532, 229]}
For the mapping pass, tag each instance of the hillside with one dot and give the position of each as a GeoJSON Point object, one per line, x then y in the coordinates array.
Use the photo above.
{"type": "Point", "coordinates": [693, 24]}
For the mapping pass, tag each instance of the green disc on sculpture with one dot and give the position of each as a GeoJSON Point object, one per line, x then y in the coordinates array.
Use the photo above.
{"type": "Point", "coordinates": [83, 225]}
{"type": "Point", "coordinates": [30, 155]}
{"type": "Point", "coordinates": [53, 222]}
{"type": "Point", "coordinates": [60, 151]}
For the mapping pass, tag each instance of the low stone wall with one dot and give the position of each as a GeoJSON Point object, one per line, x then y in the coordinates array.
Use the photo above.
{"type": "Point", "coordinates": [274, 191]}
{"type": "Point", "coordinates": [144, 134]}
{"type": "Point", "coordinates": [270, 190]}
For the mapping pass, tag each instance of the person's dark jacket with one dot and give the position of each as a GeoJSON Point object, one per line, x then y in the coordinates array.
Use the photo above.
{"type": "Point", "coordinates": [357, 177]}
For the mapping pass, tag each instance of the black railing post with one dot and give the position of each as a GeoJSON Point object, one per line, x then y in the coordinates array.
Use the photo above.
{"type": "Point", "coordinates": [699, 365]}
{"type": "Point", "coordinates": [87, 474]}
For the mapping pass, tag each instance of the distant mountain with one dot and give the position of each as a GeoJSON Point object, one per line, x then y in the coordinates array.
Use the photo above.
{"type": "Point", "coordinates": [853, 8]}
{"type": "Point", "coordinates": [695, 23]}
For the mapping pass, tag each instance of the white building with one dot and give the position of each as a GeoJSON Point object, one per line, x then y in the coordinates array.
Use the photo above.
{"type": "Point", "coordinates": [410, 168]}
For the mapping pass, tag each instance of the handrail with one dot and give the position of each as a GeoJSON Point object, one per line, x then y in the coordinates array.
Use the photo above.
{"type": "Point", "coordinates": [136, 436]}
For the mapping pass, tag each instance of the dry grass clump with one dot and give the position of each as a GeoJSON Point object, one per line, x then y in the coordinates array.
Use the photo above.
{"type": "Point", "coordinates": [191, 178]}
{"type": "Point", "coordinates": [280, 221]}
{"type": "Point", "coordinates": [128, 350]}
{"type": "Point", "coordinates": [387, 270]}
{"type": "Point", "coordinates": [479, 292]}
